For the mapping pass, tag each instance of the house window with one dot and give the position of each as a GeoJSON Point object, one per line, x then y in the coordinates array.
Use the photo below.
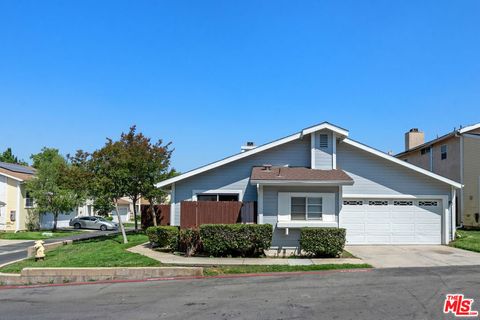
{"type": "Point", "coordinates": [402, 203]}
{"type": "Point", "coordinates": [306, 208]}
{"type": "Point", "coordinates": [378, 203]}
{"type": "Point", "coordinates": [425, 150]}
{"type": "Point", "coordinates": [428, 203]}
{"type": "Point", "coordinates": [443, 152]}
{"type": "Point", "coordinates": [217, 197]}
{"type": "Point", "coordinates": [353, 203]}
{"type": "Point", "coordinates": [28, 200]}
{"type": "Point", "coordinates": [324, 141]}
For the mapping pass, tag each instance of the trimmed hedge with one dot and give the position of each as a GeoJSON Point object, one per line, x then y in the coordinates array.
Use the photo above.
{"type": "Point", "coordinates": [236, 239]}
{"type": "Point", "coordinates": [163, 236]}
{"type": "Point", "coordinates": [189, 241]}
{"type": "Point", "coordinates": [328, 242]}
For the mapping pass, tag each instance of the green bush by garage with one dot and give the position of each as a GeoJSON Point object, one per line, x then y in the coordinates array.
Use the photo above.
{"type": "Point", "coordinates": [322, 242]}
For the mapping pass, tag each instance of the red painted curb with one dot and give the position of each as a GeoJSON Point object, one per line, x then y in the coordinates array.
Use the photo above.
{"type": "Point", "coordinates": [227, 276]}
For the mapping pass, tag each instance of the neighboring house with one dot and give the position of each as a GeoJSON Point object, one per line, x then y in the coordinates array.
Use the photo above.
{"type": "Point", "coordinates": [456, 156]}
{"type": "Point", "coordinates": [14, 203]}
{"type": "Point", "coordinates": [319, 177]}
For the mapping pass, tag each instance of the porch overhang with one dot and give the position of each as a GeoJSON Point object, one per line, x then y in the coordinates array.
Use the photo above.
{"type": "Point", "coordinates": [287, 176]}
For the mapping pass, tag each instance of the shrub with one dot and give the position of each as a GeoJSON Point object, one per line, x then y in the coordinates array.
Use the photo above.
{"type": "Point", "coordinates": [109, 218]}
{"type": "Point", "coordinates": [189, 241]}
{"type": "Point", "coordinates": [322, 241]}
{"type": "Point", "coordinates": [163, 237]}
{"type": "Point", "coordinates": [236, 239]}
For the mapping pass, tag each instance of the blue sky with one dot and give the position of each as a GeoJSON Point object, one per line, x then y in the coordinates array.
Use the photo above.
{"type": "Point", "coordinates": [210, 75]}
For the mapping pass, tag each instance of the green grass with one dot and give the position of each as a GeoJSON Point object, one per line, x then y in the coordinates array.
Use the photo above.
{"type": "Point", "coordinates": [36, 235]}
{"type": "Point", "coordinates": [99, 252]}
{"type": "Point", "coordinates": [467, 240]}
{"type": "Point", "coordinates": [221, 270]}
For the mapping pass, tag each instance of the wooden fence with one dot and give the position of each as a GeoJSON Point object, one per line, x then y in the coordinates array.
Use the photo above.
{"type": "Point", "coordinates": [162, 213]}
{"type": "Point", "coordinates": [196, 213]}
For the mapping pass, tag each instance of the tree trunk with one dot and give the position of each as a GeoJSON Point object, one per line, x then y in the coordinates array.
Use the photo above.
{"type": "Point", "coordinates": [120, 224]}
{"type": "Point", "coordinates": [154, 214]}
{"type": "Point", "coordinates": [134, 200]}
{"type": "Point", "coordinates": [55, 219]}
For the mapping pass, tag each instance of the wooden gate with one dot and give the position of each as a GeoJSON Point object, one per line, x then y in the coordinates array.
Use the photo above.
{"type": "Point", "coordinates": [196, 213]}
{"type": "Point", "coordinates": [162, 213]}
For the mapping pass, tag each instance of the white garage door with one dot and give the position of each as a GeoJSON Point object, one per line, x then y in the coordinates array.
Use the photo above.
{"type": "Point", "coordinates": [392, 221]}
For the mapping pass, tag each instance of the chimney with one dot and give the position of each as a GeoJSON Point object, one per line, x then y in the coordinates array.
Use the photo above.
{"type": "Point", "coordinates": [249, 146]}
{"type": "Point", "coordinates": [414, 138]}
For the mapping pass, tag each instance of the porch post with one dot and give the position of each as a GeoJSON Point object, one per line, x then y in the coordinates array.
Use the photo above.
{"type": "Point", "coordinates": [259, 204]}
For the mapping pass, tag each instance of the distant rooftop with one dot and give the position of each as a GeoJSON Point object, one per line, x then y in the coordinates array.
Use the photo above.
{"type": "Point", "coordinates": [17, 171]}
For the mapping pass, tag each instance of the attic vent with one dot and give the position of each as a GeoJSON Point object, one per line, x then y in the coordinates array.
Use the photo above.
{"type": "Point", "coordinates": [324, 141]}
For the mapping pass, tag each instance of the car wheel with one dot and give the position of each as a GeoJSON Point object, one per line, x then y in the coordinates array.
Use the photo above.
{"type": "Point", "coordinates": [103, 227]}
{"type": "Point", "coordinates": [77, 226]}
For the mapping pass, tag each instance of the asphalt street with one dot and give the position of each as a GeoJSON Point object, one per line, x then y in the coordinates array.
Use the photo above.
{"type": "Point", "coordinates": [12, 252]}
{"type": "Point", "coordinates": [408, 293]}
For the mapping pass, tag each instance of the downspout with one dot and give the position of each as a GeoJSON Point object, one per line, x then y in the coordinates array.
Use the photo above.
{"type": "Point", "coordinates": [462, 199]}
{"type": "Point", "coordinates": [453, 213]}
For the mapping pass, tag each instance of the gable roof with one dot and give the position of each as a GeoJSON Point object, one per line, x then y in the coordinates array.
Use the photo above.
{"type": "Point", "coordinates": [270, 145]}
{"type": "Point", "coordinates": [401, 162]}
{"type": "Point", "coordinates": [16, 171]}
{"type": "Point", "coordinates": [343, 133]}
{"type": "Point", "coordinates": [463, 130]}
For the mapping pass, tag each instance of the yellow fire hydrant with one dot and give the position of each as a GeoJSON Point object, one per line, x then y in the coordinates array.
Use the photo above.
{"type": "Point", "coordinates": [40, 250]}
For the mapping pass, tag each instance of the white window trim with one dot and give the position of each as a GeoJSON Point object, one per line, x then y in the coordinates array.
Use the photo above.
{"type": "Point", "coordinates": [217, 191]}
{"type": "Point", "coordinates": [282, 220]}
{"type": "Point", "coordinates": [306, 208]}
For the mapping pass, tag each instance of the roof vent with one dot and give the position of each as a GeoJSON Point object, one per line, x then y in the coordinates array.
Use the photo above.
{"type": "Point", "coordinates": [267, 167]}
{"type": "Point", "coordinates": [249, 146]}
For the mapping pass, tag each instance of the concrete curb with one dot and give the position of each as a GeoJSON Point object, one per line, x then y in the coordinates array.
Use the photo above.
{"type": "Point", "coordinates": [30, 276]}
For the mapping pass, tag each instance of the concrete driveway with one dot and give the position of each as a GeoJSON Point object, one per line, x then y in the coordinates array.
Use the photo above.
{"type": "Point", "coordinates": [414, 256]}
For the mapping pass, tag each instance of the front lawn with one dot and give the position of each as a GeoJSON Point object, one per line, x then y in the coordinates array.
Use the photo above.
{"type": "Point", "coordinates": [106, 251]}
{"type": "Point", "coordinates": [467, 240]}
{"type": "Point", "coordinates": [37, 235]}
{"type": "Point", "coordinates": [221, 270]}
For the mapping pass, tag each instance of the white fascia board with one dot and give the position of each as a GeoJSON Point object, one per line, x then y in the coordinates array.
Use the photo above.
{"type": "Point", "coordinates": [325, 125]}
{"type": "Point", "coordinates": [301, 182]}
{"type": "Point", "coordinates": [469, 128]}
{"type": "Point", "coordinates": [11, 177]}
{"type": "Point", "coordinates": [402, 163]}
{"type": "Point", "coordinates": [230, 159]}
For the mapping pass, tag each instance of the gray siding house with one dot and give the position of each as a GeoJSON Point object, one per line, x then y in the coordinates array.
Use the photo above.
{"type": "Point", "coordinates": [319, 177]}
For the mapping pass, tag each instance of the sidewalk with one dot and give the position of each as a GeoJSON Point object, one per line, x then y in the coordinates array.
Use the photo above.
{"type": "Point", "coordinates": [168, 258]}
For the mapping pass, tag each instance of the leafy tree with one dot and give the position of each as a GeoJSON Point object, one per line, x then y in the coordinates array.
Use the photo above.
{"type": "Point", "coordinates": [108, 167]}
{"type": "Point", "coordinates": [147, 163]}
{"type": "Point", "coordinates": [155, 195]}
{"type": "Point", "coordinates": [8, 156]}
{"type": "Point", "coordinates": [51, 186]}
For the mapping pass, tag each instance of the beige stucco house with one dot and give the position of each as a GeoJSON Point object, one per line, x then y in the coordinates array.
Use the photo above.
{"type": "Point", "coordinates": [14, 203]}
{"type": "Point", "coordinates": [455, 155]}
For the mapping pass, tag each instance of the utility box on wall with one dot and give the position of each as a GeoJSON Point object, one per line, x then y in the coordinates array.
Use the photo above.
{"type": "Point", "coordinates": [13, 215]}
